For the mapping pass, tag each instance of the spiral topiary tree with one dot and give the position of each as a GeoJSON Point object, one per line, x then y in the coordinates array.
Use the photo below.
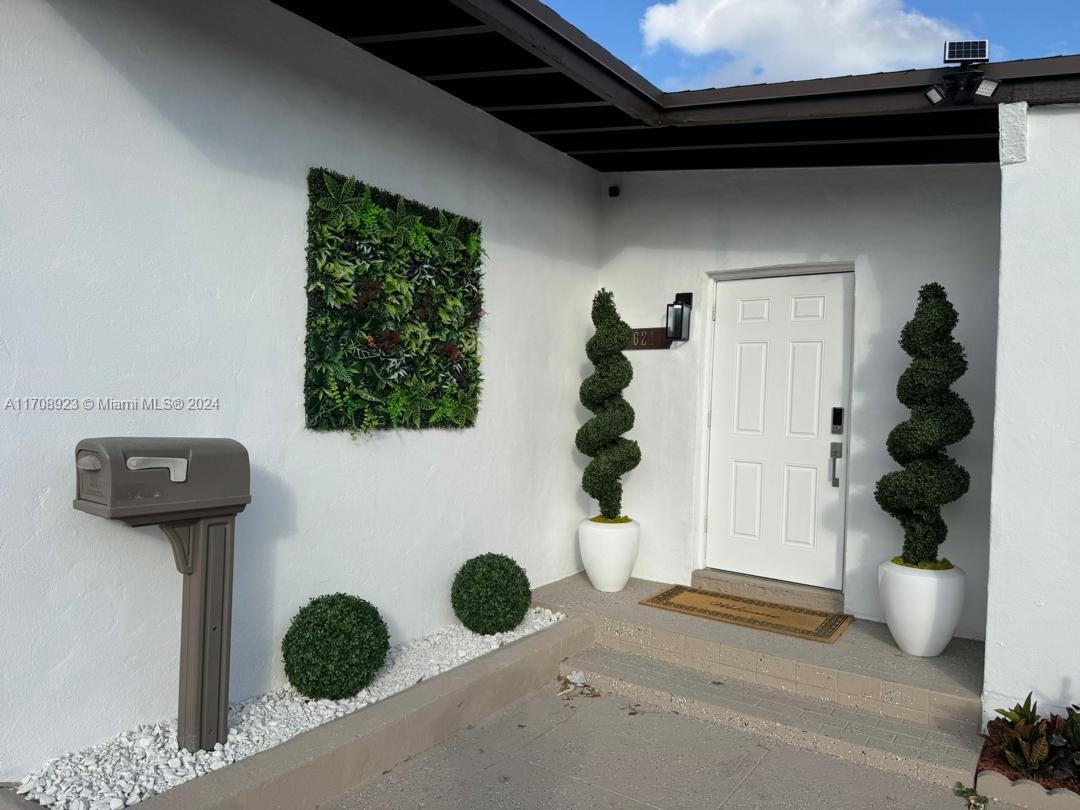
{"type": "Point", "coordinates": [939, 417]}
{"type": "Point", "coordinates": [601, 392]}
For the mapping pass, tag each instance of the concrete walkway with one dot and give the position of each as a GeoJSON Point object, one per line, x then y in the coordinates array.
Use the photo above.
{"type": "Point", "coordinates": [547, 752]}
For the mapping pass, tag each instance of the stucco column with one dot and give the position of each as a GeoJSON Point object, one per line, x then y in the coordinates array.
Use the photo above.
{"type": "Point", "coordinates": [1035, 495]}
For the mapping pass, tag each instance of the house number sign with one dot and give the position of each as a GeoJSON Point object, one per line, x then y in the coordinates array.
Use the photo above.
{"type": "Point", "coordinates": [651, 338]}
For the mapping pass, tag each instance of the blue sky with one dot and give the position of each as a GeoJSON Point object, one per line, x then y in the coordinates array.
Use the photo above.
{"type": "Point", "coordinates": [687, 44]}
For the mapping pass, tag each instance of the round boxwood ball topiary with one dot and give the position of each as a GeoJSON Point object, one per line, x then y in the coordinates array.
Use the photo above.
{"type": "Point", "coordinates": [335, 645]}
{"type": "Point", "coordinates": [491, 594]}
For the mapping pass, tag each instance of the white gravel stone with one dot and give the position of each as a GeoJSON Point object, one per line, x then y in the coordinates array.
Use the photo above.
{"type": "Point", "coordinates": [145, 761]}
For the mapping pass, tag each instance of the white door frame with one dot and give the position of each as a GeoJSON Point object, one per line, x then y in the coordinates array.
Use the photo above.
{"type": "Point", "coordinates": [708, 292]}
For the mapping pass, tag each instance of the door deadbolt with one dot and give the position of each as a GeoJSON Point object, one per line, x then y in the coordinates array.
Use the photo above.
{"type": "Point", "coordinates": [837, 420]}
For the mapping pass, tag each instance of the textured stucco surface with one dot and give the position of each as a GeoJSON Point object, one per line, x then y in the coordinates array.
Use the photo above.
{"type": "Point", "coordinates": [152, 200]}
{"type": "Point", "coordinates": [1031, 625]}
{"type": "Point", "coordinates": [1012, 133]}
{"type": "Point", "coordinates": [152, 231]}
{"type": "Point", "coordinates": [901, 227]}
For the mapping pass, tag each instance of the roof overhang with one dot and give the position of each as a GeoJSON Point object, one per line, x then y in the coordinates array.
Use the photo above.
{"type": "Point", "coordinates": [522, 63]}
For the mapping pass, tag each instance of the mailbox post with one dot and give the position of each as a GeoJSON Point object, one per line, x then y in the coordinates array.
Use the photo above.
{"type": "Point", "coordinates": [193, 489]}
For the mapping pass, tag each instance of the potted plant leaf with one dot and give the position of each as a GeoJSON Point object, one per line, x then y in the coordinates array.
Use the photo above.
{"type": "Point", "coordinates": [608, 541]}
{"type": "Point", "coordinates": [921, 595]}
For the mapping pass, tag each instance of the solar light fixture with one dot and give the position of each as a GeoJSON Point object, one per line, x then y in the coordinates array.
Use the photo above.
{"type": "Point", "coordinates": [966, 84]}
{"type": "Point", "coordinates": [678, 317]}
{"type": "Point", "coordinates": [966, 51]}
{"type": "Point", "coordinates": [986, 88]}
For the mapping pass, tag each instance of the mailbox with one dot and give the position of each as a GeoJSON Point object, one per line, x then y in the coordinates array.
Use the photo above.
{"type": "Point", "coordinates": [193, 489]}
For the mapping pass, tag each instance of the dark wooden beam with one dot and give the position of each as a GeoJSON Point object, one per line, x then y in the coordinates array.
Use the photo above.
{"type": "Point", "coordinates": [887, 153]}
{"type": "Point", "coordinates": [543, 15]}
{"type": "Point", "coordinates": [554, 49]}
{"type": "Point", "coordinates": [575, 117]}
{"type": "Point", "coordinates": [812, 107]}
{"type": "Point", "coordinates": [411, 36]}
{"type": "Point", "coordinates": [973, 121]}
{"type": "Point", "coordinates": [888, 139]}
{"type": "Point", "coordinates": [530, 90]}
{"type": "Point", "coordinates": [546, 134]}
{"type": "Point", "coordinates": [900, 80]}
{"type": "Point", "coordinates": [368, 19]}
{"type": "Point", "coordinates": [521, 62]}
{"type": "Point", "coordinates": [433, 57]}
{"type": "Point", "coordinates": [530, 106]}
{"type": "Point", "coordinates": [489, 74]}
{"type": "Point", "coordinates": [1057, 90]}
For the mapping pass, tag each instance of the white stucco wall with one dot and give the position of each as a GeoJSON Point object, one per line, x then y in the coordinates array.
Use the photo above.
{"type": "Point", "coordinates": [902, 227]}
{"type": "Point", "coordinates": [152, 231]}
{"type": "Point", "coordinates": [1031, 629]}
{"type": "Point", "coordinates": [152, 200]}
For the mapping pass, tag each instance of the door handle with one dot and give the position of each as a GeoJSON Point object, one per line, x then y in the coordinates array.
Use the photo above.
{"type": "Point", "coordinates": [836, 451]}
{"type": "Point", "coordinates": [177, 467]}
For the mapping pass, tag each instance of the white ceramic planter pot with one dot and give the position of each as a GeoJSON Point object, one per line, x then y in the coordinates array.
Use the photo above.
{"type": "Point", "coordinates": [922, 608]}
{"type": "Point", "coordinates": [608, 551]}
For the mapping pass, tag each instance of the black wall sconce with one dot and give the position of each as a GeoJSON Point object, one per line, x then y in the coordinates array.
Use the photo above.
{"type": "Point", "coordinates": [678, 317]}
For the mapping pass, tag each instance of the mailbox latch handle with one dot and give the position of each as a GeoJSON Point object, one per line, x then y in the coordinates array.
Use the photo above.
{"type": "Point", "coordinates": [88, 462]}
{"type": "Point", "coordinates": [177, 467]}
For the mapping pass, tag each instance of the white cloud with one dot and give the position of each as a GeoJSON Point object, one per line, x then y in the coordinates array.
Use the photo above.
{"type": "Point", "coordinates": [779, 40]}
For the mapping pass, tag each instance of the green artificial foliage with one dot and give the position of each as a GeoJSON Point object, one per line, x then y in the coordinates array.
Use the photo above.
{"type": "Point", "coordinates": [394, 308]}
{"type": "Point", "coordinates": [334, 647]}
{"type": "Point", "coordinates": [1028, 749]}
{"type": "Point", "coordinates": [1047, 748]}
{"type": "Point", "coordinates": [491, 594]}
{"type": "Point", "coordinates": [1026, 712]}
{"type": "Point", "coordinates": [601, 392]}
{"type": "Point", "coordinates": [1072, 728]}
{"type": "Point", "coordinates": [939, 417]}
{"type": "Point", "coordinates": [1063, 761]}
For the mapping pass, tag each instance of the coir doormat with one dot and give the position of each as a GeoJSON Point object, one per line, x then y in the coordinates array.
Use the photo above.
{"type": "Point", "coordinates": [816, 625]}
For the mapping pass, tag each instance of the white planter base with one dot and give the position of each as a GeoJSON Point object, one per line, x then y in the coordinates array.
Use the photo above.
{"type": "Point", "coordinates": [922, 608]}
{"type": "Point", "coordinates": [608, 552]}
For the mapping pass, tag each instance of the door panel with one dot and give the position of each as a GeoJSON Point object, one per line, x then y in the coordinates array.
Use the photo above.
{"type": "Point", "coordinates": [781, 363]}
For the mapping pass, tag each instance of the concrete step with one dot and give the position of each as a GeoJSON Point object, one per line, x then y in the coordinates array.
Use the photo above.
{"type": "Point", "coordinates": [863, 669]}
{"type": "Point", "coordinates": [768, 590]}
{"type": "Point", "coordinates": [905, 747]}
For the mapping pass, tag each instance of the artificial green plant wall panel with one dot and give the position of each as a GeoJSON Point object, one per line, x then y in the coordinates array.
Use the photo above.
{"type": "Point", "coordinates": [394, 308]}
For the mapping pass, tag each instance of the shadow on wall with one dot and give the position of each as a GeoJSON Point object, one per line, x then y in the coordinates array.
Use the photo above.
{"type": "Point", "coordinates": [259, 533]}
{"type": "Point", "coordinates": [262, 92]}
{"type": "Point", "coordinates": [582, 415]}
{"type": "Point", "coordinates": [866, 455]}
{"type": "Point", "coordinates": [586, 505]}
{"type": "Point", "coordinates": [881, 356]}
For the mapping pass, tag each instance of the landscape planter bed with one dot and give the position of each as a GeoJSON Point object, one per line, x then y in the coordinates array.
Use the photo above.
{"type": "Point", "coordinates": [998, 780]}
{"type": "Point", "coordinates": [323, 762]}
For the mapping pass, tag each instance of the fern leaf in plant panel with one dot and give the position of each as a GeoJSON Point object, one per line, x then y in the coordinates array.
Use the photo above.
{"type": "Point", "coordinates": [395, 301]}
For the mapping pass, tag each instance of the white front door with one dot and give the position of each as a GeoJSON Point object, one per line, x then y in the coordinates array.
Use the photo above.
{"type": "Point", "coordinates": [781, 365]}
